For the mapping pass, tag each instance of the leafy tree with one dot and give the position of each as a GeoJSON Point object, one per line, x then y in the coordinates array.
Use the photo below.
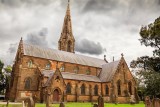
{"type": "Point", "coordinates": [8, 70]}
{"type": "Point", "coordinates": [149, 67]}
{"type": "Point", "coordinates": [1, 77]}
{"type": "Point", "coordinates": [5, 74]}
{"type": "Point", "coordinates": [150, 36]}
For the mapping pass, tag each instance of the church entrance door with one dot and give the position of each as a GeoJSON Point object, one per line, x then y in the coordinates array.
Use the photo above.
{"type": "Point", "coordinates": [56, 95]}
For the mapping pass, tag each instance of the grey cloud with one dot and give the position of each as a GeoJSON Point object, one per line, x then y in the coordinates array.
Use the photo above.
{"type": "Point", "coordinates": [15, 3]}
{"type": "Point", "coordinates": [35, 38]}
{"type": "Point", "coordinates": [107, 5]}
{"type": "Point", "coordinates": [12, 48]}
{"type": "Point", "coordinates": [90, 47]}
{"type": "Point", "coordinates": [100, 5]}
{"type": "Point", "coordinates": [38, 38]}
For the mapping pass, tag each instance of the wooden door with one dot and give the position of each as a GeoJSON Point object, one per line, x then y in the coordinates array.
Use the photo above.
{"type": "Point", "coordinates": [56, 95]}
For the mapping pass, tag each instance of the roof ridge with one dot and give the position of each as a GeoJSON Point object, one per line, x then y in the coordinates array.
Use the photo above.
{"type": "Point", "coordinates": [61, 51]}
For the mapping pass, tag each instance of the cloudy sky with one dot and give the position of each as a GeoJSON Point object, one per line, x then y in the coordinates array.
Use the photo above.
{"type": "Point", "coordinates": [100, 27]}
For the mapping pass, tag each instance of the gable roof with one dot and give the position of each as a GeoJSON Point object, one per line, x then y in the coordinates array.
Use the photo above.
{"type": "Point", "coordinates": [108, 71]}
{"type": "Point", "coordinates": [53, 54]}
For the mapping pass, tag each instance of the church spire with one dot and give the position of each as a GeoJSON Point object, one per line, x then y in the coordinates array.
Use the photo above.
{"type": "Point", "coordinates": [67, 41]}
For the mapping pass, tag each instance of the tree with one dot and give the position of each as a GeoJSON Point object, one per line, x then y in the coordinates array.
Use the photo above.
{"type": "Point", "coordinates": [1, 77]}
{"type": "Point", "coordinates": [5, 74]}
{"type": "Point", "coordinates": [149, 67]}
{"type": "Point", "coordinates": [150, 36]}
{"type": "Point", "coordinates": [8, 70]}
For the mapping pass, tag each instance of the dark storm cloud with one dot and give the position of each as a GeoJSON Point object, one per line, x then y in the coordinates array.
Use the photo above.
{"type": "Point", "coordinates": [12, 48]}
{"type": "Point", "coordinates": [108, 5]}
{"type": "Point", "coordinates": [100, 5]}
{"type": "Point", "coordinates": [22, 2]}
{"type": "Point", "coordinates": [90, 47]}
{"type": "Point", "coordinates": [38, 38]}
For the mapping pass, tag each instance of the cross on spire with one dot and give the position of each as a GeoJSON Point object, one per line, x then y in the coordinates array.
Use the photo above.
{"type": "Point", "coordinates": [122, 54]}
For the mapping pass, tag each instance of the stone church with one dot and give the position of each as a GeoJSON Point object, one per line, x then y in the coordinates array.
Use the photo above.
{"type": "Point", "coordinates": [62, 75]}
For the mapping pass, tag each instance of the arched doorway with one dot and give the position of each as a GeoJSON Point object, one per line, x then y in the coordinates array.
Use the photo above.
{"type": "Point", "coordinates": [56, 94]}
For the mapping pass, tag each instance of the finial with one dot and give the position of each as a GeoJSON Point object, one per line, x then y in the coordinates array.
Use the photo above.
{"type": "Point", "coordinates": [105, 58]}
{"type": "Point", "coordinates": [68, 1]}
{"type": "Point", "coordinates": [113, 58]}
{"type": "Point", "coordinates": [122, 54]}
{"type": "Point", "coordinates": [21, 38]}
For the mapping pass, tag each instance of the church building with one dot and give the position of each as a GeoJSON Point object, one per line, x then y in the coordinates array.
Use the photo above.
{"type": "Point", "coordinates": [62, 75]}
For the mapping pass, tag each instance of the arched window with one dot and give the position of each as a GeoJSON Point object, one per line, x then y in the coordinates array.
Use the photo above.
{"type": "Point", "coordinates": [119, 87]}
{"type": "Point", "coordinates": [27, 85]}
{"type": "Point", "coordinates": [83, 89]}
{"type": "Point", "coordinates": [107, 90]}
{"type": "Point", "coordinates": [30, 63]}
{"type": "Point", "coordinates": [48, 66]}
{"type": "Point", "coordinates": [76, 69]}
{"type": "Point", "coordinates": [96, 90]}
{"type": "Point", "coordinates": [69, 46]}
{"type": "Point", "coordinates": [130, 87]}
{"type": "Point", "coordinates": [68, 90]}
{"type": "Point", "coordinates": [62, 68]}
{"type": "Point", "coordinates": [88, 71]}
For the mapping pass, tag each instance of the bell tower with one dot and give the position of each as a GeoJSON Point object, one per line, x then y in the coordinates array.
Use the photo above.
{"type": "Point", "coordinates": [67, 41]}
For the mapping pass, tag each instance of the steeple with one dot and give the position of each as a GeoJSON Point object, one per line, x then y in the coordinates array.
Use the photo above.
{"type": "Point", "coordinates": [67, 41]}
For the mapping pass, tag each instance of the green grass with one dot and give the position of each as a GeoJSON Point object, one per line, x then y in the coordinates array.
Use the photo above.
{"type": "Point", "coordinates": [11, 105]}
{"type": "Point", "coordinates": [81, 105]}
{"type": "Point", "coordinates": [90, 105]}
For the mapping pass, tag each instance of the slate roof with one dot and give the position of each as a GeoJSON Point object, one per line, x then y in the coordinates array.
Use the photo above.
{"type": "Point", "coordinates": [80, 77]}
{"type": "Point", "coordinates": [52, 54]}
{"type": "Point", "coordinates": [108, 71]}
{"type": "Point", "coordinates": [106, 75]}
{"type": "Point", "coordinates": [47, 73]}
{"type": "Point", "coordinates": [72, 76]}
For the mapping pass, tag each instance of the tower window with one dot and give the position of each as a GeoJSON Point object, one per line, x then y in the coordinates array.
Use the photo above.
{"type": "Point", "coordinates": [69, 46]}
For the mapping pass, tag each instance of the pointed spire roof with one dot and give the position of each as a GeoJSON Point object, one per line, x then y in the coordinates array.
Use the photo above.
{"type": "Point", "coordinates": [67, 25]}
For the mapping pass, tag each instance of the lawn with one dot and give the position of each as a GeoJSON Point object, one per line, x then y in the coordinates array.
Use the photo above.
{"type": "Point", "coordinates": [81, 105]}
